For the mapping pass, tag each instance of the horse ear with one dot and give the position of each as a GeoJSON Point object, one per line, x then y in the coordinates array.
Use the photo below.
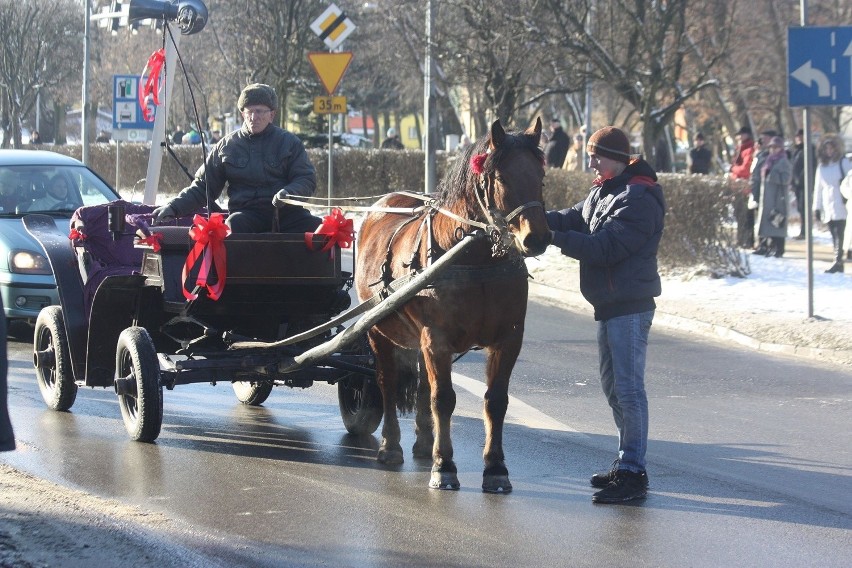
{"type": "Point", "coordinates": [535, 129]}
{"type": "Point", "coordinates": [498, 135]}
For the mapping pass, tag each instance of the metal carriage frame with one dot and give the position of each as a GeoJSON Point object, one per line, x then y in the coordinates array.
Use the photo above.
{"type": "Point", "coordinates": [139, 335]}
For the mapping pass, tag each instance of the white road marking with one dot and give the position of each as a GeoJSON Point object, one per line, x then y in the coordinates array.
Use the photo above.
{"type": "Point", "coordinates": [518, 412]}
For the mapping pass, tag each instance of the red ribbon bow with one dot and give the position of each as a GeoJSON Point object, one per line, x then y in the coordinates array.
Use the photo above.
{"type": "Point", "coordinates": [154, 239]}
{"type": "Point", "coordinates": [209, 236]}
{"type": "Point", "coordinates": [149, 93]}
{"type": "Point", "coordinates": [339, 230]}
{"type": "Point", "coordinates": [76, 235]}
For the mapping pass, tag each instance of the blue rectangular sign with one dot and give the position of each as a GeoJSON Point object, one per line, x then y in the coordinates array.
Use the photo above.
{"type": "Point", "coordinates": [126, 113]}
{"type": "Point", "coordinates": [819, 66]}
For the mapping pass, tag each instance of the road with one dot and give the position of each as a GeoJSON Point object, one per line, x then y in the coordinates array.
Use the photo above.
{"type": "Point", "coordinates": [749, 462]}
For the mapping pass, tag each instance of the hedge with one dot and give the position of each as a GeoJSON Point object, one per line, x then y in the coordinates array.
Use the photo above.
{"type": "Point", "coordinates": [698, 222]}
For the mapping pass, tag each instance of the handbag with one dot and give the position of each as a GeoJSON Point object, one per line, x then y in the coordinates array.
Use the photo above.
{"type": "Point", "coordinates": [776, 218]}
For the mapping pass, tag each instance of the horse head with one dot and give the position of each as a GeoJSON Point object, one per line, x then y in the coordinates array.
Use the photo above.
{"type": "Point", "coordinates": [507, 175]}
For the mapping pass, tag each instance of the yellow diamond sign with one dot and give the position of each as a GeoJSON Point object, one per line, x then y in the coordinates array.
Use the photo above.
{"type": "Point", "coordinates": [330, 67]}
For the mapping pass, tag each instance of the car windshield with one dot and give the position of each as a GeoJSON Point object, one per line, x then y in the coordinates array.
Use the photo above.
{"type": "Point", "coordinates": [50, 189]}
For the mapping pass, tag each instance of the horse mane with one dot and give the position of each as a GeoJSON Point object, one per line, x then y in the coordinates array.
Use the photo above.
{"type": "Point", "coordinates": [457, 184]}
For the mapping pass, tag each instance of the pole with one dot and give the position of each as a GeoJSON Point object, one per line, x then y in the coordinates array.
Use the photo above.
{"type": "Point", "coordinates": [155, 158]}
{"type": "Point", "coordinates": [84, 113]}
{"type": "Point", "coordinates": [587, 123]}
{"type": "Point", "coordinates": [330, 166]}
{"type": "Point", "coordinates": [809, 184]}
{"type": "Point", "coordinates": [429, 105]}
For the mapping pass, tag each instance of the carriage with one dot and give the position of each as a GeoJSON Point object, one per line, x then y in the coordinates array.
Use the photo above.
{"type": "Point", "coordinates": [435, 277]}
{"type": "Point", "coordinates": [124, 320]}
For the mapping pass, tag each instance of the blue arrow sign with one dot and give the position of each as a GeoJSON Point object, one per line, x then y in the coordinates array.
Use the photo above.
{"type": "Point", "coordinates": [819, 66]}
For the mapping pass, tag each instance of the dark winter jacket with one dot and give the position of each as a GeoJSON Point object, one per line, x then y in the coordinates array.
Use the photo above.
{"type": "Point", "coordinates": [255, 167]}
{"type": "Point", "coordinates": [615, 233]}
{"type": "Point", "coordinates": [556, 148]}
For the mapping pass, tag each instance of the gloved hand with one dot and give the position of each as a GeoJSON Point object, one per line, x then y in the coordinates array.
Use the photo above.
{"type": "Point", "coordinates": [278, 198]}
{"type": "Point", "coordinates": [818, 215]}
{"type": "Point", "coordinates": [164, 214]}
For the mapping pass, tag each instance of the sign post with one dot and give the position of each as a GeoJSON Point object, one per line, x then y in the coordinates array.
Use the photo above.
{"type": "Point", "coordinates": [819, 73]}
{"type": "Point", "coordinates": [332, 26]}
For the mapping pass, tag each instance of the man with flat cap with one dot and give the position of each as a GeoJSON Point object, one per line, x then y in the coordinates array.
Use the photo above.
{"type": "Point", "coordinates": [262, 164]}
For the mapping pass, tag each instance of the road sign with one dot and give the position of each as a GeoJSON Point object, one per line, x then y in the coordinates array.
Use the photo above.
{"type": "Point", "coordinates": [819, 66]}
{"type": "Point", "coordinates": [329, 105]}
{"type": "Point", "coordinates": [126, 113]}
{"type": "Point", "coordinates": [330, 67]}
{"type": "Point", "coordinates": [333, 26]}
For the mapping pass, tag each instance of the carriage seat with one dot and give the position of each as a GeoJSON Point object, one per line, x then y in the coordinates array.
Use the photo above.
{"type": "Point", "coordinates": [99, 254]}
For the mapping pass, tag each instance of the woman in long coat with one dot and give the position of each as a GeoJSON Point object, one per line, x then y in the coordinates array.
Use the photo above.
{"type": "Point", "coordinates": [772, 212]}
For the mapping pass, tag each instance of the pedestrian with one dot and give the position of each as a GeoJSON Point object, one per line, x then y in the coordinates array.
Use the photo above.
{"type": "Point", "coordinates": [699, 156]}
{"type": "Point", "coordinates": [557, 145]}
{"type": "Point", "coordinates": [392, 141]}
{"type": "Point", "coordinates": [177, 135]}
{"type": "Point", "coordinates": [775, 173]}
{"type": "Point", "coordinates": [7, 434]}
{"type": "Point", "coordinates": [754, 183]}
{"type": "Point", "coordinates": [262, 165]}
{"type": "Point", "coordinates": [615, 233]}
{"type": "Point", "coordinates": [740, 170]}
{"type": "Point", "coordinates": [799, 177]}
{"type": "Point", "coordinates": [35, 138]}
{"type": "Point", "coordinates": [828, 205]}
{"type": "Point", "coordinates": [103, 136]}
{"type": "Point", "coordinates": [575, 159]}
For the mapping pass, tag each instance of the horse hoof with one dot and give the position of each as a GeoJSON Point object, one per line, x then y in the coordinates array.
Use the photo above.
{"type": "Point", "coordinates": [422, 451]}
{"type": "Point", "coordinates": [496, 484]}
{"type": "Point", "coordinates": [444, 480]}
{"type": "Point", "coordinates": [390, 457]}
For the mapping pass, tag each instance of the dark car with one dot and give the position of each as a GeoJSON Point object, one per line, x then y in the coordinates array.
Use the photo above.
{"type": "Point", "coordinates": [36, 181]}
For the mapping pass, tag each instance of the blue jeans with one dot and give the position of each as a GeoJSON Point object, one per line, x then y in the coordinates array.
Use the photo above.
{"type": "Point", "coordinates": [622, 345]}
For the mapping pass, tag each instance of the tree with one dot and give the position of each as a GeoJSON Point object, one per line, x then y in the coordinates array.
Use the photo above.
{"type": "Point", "coordinates": [37, 40]}
{"type": "Point", "coordinates": [640, 50]}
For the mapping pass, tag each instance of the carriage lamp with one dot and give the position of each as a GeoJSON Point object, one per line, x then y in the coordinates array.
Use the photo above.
{"type": "Point", "coordinates": [28, 262]}
{"type": "Point", "coordinates": [116, 220]}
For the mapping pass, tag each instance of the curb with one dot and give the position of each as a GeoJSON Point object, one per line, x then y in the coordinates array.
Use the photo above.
{"type": "Point", "coordinates": [575, 301]}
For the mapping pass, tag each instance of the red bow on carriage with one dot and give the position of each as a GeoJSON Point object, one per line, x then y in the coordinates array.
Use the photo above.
{"type": "Point", "coordinates": [339, 230]}
{"type": "Point", "coordinates": [209, 236]}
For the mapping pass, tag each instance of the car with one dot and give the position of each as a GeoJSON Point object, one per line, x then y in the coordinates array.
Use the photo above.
{"type": "Point", "coordinates": [38, 181]}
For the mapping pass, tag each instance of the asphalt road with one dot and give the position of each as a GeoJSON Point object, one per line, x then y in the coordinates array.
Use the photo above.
{"type": "Point", "coordinates": [749, 462]}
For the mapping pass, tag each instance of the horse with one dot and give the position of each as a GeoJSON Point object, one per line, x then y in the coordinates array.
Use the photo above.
{"type": "Point", "coordinates": [479, 302]}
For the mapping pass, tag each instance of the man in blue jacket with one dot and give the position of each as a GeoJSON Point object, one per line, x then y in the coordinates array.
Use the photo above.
{"type": "Point", "coordinates": [262, 164]}
{"type": "Point", "coordinates": [615, 233]}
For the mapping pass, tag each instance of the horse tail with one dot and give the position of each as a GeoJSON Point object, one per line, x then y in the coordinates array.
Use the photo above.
{"type": "Point", "coordinates": [409, 369]}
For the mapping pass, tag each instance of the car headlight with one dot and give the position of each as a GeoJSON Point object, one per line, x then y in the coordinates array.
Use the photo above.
{"type": "Point", "coordinates": [28, 262]}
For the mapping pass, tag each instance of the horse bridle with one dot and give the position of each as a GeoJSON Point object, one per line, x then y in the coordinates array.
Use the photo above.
{"type": "Point", "coordinates": [497, 224]}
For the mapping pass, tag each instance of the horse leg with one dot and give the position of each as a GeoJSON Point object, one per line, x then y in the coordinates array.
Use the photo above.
{"type": "Point", "coordinates": [443, 402]}
{"type": "Point", "coordinates": [423, 424]}
{"type": "Point", "coordinates": [390, 450]}
{"type": "Point", "coordinates": [501, 361]}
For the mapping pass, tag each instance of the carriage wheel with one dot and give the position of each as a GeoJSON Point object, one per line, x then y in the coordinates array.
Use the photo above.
{"type": "Point", "coordinates": [252, 393]}
{"type": "Point", "coordinates": [360, 405]}
{"type": "Point", "coordinates": [52, 360]}
{"type": "Point", "coordinates": [142, 404]}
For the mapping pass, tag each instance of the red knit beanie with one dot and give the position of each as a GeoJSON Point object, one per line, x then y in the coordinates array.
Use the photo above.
{"type": "Point", "coordinates": [610, 142]}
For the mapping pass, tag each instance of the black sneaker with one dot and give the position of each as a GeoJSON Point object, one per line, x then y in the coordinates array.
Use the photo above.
{"type": "Point", "coordinates": [604, 478]}
{"type": "Point", "coordinates": [626, 486]}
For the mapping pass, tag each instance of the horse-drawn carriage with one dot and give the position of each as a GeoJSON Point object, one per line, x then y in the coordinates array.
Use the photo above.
{"type": "Point", "coordinates": [125, 320]}
{"type": "Point", "coordinates": [436, 276]}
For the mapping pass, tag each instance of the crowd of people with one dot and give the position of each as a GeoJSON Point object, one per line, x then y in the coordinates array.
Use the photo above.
{"type": "Point", "coordinates": [773, 173]}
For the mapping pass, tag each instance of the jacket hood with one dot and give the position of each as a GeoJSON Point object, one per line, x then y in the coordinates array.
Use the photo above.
{"type": "Point", "coordinates": [825, 155]}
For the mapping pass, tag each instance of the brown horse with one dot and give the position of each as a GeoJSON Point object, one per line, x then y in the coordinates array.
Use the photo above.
{"type": "Point", "coordinates": [480, 301]}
